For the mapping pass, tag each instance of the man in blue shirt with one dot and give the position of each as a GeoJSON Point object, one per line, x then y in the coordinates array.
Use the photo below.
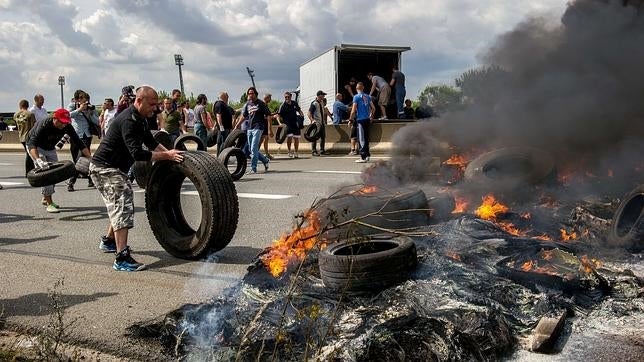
{"type": "Point", "coordinates": [362, 111]}
{"type": "Point", "coordinates": [340, 110]}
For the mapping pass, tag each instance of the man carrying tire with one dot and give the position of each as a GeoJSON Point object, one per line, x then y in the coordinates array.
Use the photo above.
{"type": "Point", "coordinates": [287, 114]}
{"type": "Point", "coordinates": [41, 144]}
{"type": "Point", "coordinates": [121, 146]}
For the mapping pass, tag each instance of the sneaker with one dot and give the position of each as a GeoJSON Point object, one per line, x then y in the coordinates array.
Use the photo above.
{"type": "Point", "coordinates": [367, 158]}
{"type": "Point", "coordinates": [295, 155]}
{"type": "Point", "coordinates": [125, 262]}
{"type": "Point", "coordinates": [382, 118]}
{"type": "Point", "coordinates": [290, 154]}
{"type": "Point", "coordinates": [266, 167]}
{"type": "Point", "coordinates": [108, 245]}
{"type": "Point", "coordinates": [251, 172]}
{"type": "Point", "coordinates": [361, 160]}
{"type": "Point", "coordinates": [325, 153]}
{"type": "Point", "coordinates": [53, 208]}
{"type": "Point", "coordinates": [353, 153]}
{"type": "Point", "coordinates": [315, 153]}
{"type": "Point", "coordinates": [70, 188]}
{"type": "Point", "coordinates": [269, 156]}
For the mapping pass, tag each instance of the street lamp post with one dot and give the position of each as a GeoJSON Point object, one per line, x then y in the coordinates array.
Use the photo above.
{"type": "Point", "coordinates": [61, 82]}
{"type": "Point", "coordinates": [178, 60]}
{"type": "Point", "coordinates": [251, 74]}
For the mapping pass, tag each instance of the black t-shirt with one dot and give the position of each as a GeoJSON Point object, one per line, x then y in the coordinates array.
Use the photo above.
{"type": "Point", "coordinates": [288, 112]}
{"type": "Point", "coordinates": [256, 113]}
{"type": "Point", "coordinates": [123, 142]}
{"type": "Point", "coordinates": [45, 135]}
{"type": "Point", "coordinates": [226, 116]}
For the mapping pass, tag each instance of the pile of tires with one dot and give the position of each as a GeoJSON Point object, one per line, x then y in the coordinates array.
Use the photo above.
{"type": "Point", "coordinates": [236, 138]}
{"type": "Point", "coordinates": [367, 265]}
{"type": "Point", "coordinates": [218, 196]}
{"type": "Point", "coordinates": [627, 228]}
{"type": "Point", "coordinates": [313, 131]}
{"type": "Point", "coordinates": [234, 160]}
{"type": "Point", "coordinates": [163, 138]}
{"type": "Point", "coordinates": [57, 172]}
{"type": "Point", "coordinates": [180, 142]}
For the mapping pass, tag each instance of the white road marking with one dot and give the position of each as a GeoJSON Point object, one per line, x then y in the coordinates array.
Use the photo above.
{"type": "Point", "coordinates": [337, 172]}
{"type": "Point", "coordinates": [9, 183]}
{"type": "Point", "coordinates": [6, 164]}
{"type": "Point", "coordinates": [242, 195]}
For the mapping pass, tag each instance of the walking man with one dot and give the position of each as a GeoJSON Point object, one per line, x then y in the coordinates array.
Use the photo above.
{"type": "Point", "coordinates": [362, 111]}
{"type": "Point", "coordinates": [25, 120]}
{"type": "Point", "coordinates": [256, 112]}
{"type": "Point", "coordinates": [115, 155]}
{"type": "Point", "coordinates": [287, 115]}
{"type": "Point", "coordinates": [82, 113]}
{"type": "Point", "coordinates": [41, 143]}
{"type": "Point", "coordinates": [224, 118]}
{"type": "Point", "coordinates": [398, 82]}
{"type": "Point", "coordinates": [318, 113]}
{"type": "Point", "coordinates": [384, 92]}
{"type": "Point", "coordinates": [172, 120]}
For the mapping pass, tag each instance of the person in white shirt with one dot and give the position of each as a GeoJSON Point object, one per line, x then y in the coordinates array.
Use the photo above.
{"type": "Point", "coordinates": [37, 109]}
{"type": "Point", "coordinates": [189, 116]}
{"type": "Point", "coordinates": [107, 113]}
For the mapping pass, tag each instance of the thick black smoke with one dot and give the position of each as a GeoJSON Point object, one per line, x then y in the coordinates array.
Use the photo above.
{"type": "Point", "coordinates": [574, 88]}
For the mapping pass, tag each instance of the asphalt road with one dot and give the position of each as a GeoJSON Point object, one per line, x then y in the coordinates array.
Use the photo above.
{"type": "Point", "coordinates": [37, 248]}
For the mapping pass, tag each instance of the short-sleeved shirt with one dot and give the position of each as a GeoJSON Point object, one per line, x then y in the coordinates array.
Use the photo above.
{"type": "Point", "coordinates": [45, 135]}
{"type": "Point", "coordinates": [379, 82]}
{"type": "Point", "coordinates": [256, 113]}
{"type": "Point", "coordinates": [39, 113]}
{"type": "Point", "coordinates": [288, 112]}
{"type": "Point", "coordinates": [317, 110]}
{"type": "Point", "coordinates": [199, 111]}
{"type": "Point", "coordinates": [399, 79]}
{"type": "Point", "coordinates": [25, 121]}
{"type": "Point", "coordinates": [222, 109]}
{"type": "Point", "coordinates": [363, 106]}
{"type": "Point", "coordinates": [171, 121]}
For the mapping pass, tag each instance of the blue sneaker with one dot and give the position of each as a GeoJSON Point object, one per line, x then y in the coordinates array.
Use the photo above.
{"type": "Point", "coordinates": [107, 245]}
{"type": "Point", "coordinates": [125, 262]}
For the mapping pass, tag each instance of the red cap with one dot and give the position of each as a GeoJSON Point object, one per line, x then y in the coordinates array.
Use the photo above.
{"type": "Point", "coordinates": [62, 115]}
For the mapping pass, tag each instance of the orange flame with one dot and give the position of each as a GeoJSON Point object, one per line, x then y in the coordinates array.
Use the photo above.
{"type": "Point", "coordinates": [456, 160]}
{"type": "Point", "coordinates": [510, 228]}
{"type": "Point", "coordinates": [589, 265]}
{"type": "Point", "coordinates": [527, 266]}
{"type": "Point", "coordinates": [542, 237]}
{"type": "Point", "coordinates": [452, 255]}
{"type": "Point", "coordinates": [367, 189]}
{"type": "Point", "coordinates": [461, 205]}
{"type": "Point", "coordinates": [526, 216]}
{"type": "Point", "coordinates": [566, 236]}
{"type": "Point", "coordinates": [490, 208]}
{"type": "Point", "coordinates": [292, 247]}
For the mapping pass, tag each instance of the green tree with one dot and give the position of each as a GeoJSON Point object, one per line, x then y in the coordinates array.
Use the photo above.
{"type": "Point", "coordinates": [482, 84]}
{"type": "Point", "coordinates": [442, 98]}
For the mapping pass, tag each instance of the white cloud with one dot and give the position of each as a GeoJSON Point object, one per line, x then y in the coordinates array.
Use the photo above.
{"type": "Point", "coordinates": [101, 46]}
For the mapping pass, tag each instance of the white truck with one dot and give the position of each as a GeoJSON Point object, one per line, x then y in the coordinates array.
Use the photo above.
{"type": "Point", "coordinates": [331, 70]}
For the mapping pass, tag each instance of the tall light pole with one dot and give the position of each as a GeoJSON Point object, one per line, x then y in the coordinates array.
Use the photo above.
{"type": "Point", "coordinates": [178, 60]}
{"type": "Point", "coordinates": [251, 74]}
{"type": "Point", "coordinates": [61, 82]}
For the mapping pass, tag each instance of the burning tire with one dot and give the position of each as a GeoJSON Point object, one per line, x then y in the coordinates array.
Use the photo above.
{"type": "Point", "coordinates": [82, 165]}
{"type": "Point", "coordinates": [212, 137]}
{"type": "Point", "coordinates": [313, 131]}
{"type": "Point", "coordinates": [142, 171]}
{"type": "Point", "coordinates": [512, 165]}
{"type": "Point", "coordinates": [627, 229]}
{"type": "Point", "coordinates": [370, 265]}
{"type": "Point", "coordinates": [236, 138]}
{"type": "Point", "coordinates": [57, 172]}
{"type": "Point", "coordinates": [280, 134]}
{"type": "Point", "coordinates": [234, 160]}
{"type": "Point", "coordinates": [441, 206]}
{"type": "Point", "coordinates": [179, 143]}
{"type": "Point", "coordinates": [163, 138]}
{"type": "Point", "coordinates": [220, 207]}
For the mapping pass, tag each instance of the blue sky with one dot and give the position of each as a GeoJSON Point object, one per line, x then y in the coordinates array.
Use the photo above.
{"type": "Point", "coordinates": [100, 46]}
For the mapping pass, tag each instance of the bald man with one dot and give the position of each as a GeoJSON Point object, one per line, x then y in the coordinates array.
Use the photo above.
{"type": "Point", "coordinates": [121, 146]}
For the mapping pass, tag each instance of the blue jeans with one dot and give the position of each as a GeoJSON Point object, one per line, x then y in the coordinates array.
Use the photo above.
{"type": "Point", "coordinates": [254, 138]}
{"type": "Point", "coordinates": [400, 100]}
{"type": "Point", "coordinates": [363, 138]}
{"type": "Point", "coordinates": [201, 132]}
{"type": "Point", "coordinates": [221, 138]}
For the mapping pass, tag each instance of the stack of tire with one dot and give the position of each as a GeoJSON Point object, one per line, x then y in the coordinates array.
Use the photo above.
{"type": "Point", "coordinates": [220, 207]}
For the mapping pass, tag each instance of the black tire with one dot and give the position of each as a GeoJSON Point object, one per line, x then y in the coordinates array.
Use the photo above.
{"type": "Point", "coordinates": [212, 137]}
{"type": "Point", "coordinates": [220, 207]}
{"type": "Point", "coordinates": [240, 162]}
{"type": "Point", "coordinates": [179, 143]}
{"type": "Point", "coordinates": [441, 206]}
{"type": "Point", "coordinates": [280, 134]}
{"type": "Point", "coordinates": [82, 165]}
{"type": "Point", "coordinates": [312, 131]}
{"type": "Point", "coordinates": [142, 170]}
{"type": "Point", "coordinates": [369, 265]}
{"type": "Point", "coordinates": [514, 165]}
{"type": "Point", "coordinates": [236, 138]}
{"type": "Point", "coordinates": [29, 164]}
{"type": "Point", "coordinates": [627, 228]}
{"type": "Point", "coordinates": [57, 172]}
{"type": "Point", "coordinates": [163, 138]}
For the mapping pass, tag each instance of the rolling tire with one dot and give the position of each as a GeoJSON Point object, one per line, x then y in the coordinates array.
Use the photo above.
{"type": "Point", "coordinates": [312, 131]}
{"type": "Point", "coordinates": [163, 138]}
{"type": "Point", "coordinates": [29, 164]}
{"type": "Point", "coordinates": [280, 134]}
{"type": "Point", "coordinates": [57, 172]}
{"type": "Point", "coordinates": [240, 158]}
{"type": "Point", "coordinates": [627, 228]}
{"type": "Point", "coordinates": [371, 265]}
{"type": "Point", "coordinates": [179, 143]}
{"type": "Point", "coordinates": [142, 171]}
{"type": "Point", "coordinates": [236, 138]}
{"type": "Point", "coordinates": [212, 137]}
{"type": "Point", "coordinates": [220, 206]}
{"type": "Point", "coordinates": [82, 165]}
{"type": "Point", "coordinates": [514, 164]}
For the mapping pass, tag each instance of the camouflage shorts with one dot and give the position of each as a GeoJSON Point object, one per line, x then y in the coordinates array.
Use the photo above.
{"type": "Point", "coordinates": [117, 194]}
